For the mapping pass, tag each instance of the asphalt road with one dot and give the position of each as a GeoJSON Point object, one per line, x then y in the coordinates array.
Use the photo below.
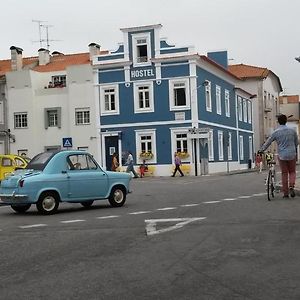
{"type": "Point", "coordinates": [214, 237]}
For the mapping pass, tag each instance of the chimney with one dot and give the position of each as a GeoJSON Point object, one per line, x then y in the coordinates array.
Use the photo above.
{"type": "Point", "coordinates": [94, 49]}
{"type": "Point", "coordinates": [44, 56]}
{"type": "Point", "coordinates": [16, 58]}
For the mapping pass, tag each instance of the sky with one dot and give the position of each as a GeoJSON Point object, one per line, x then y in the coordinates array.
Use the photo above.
{"type": "Point", "coordinates": [263, 33]}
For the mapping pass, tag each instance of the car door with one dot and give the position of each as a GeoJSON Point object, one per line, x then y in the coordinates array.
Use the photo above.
{"type": "Point", "coordinates": [86, 179]}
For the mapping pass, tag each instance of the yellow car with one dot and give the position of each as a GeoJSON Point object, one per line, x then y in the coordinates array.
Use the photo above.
{"type": "Point", "coordinates": [11, 162]}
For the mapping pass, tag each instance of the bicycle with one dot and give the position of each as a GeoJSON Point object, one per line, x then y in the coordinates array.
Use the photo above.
{"type": "Point", "coordinates": [271, 180]}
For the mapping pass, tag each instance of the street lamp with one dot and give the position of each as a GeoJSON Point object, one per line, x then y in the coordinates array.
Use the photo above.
{"type": "Point", "coordinates": [10, 138]}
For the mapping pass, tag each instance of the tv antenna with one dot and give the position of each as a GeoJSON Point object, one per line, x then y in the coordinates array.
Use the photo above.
{"type": "Point", "coordinates": [41, 39]}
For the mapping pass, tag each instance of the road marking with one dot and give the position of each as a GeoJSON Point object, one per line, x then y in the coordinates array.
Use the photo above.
{"type": "Point", "coordinates": [229, 199]}
{"type": "Point", "coordinates": [189, 205]}
{"type": "Point", "coordinates": [166, 208]}
{"type": "Point", "coordinates": [71, 221]}
{"type": "Point", "coordinates": [260, 194]}
{"type": "Point", "coordinates": [107, 217]}
{"type": "Point", "coordinates": [32, 226]}
{"type": "Point", "coordinates": [151, 224]}
{"type": "Point", "coordinates": [244, 197]}
{"type": "Point", "coordinates": [140, 212]}
{"type": "Point", "coordinates": [210, 202]}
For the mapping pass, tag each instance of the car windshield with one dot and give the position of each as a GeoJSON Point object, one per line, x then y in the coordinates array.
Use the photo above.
{"type": "Point", "coordinates": [40, 161]}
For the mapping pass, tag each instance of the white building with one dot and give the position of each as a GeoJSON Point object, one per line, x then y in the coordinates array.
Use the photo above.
{"type": "Point", "coordinates": [51, 97]}
{"type": "Point", "coordinates": [266, 86]}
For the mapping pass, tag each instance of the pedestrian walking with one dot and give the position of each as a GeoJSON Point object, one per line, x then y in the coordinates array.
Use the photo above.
{"type": "Point", "coordinates": [114, 162]}
{"type": "Point", "coordinates": [130, 167]}
{"type": "Point", "coordinates": [143, 168]}
{"type": "Point", "coordinates": [287, 142]}
{"type": "Point", "coordinates": [177, 162]}
{"type": "Point", "coordinates": [259, 162]}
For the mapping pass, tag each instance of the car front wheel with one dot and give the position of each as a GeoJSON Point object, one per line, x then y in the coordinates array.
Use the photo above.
{"type": "Point", "coordinates": [47, 203]}
{"type": "Point", "coordinates": [20, 208]}
{"type": "Point", "coordinates": [117, 196]}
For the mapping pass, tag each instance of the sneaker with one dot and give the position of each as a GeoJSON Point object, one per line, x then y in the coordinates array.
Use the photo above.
{"type": "Point", "coordinates": [285, 196]}
{"type": "Point", "coordinates": [292, 192]}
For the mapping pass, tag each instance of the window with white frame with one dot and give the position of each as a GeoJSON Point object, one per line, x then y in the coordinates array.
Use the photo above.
{"type": "Point", "coordinates": [146, 145]}
{"type": "Point", "coordinates": [240, 108]}
{"type": "Point", "coordinates": [52, 117]}
{"type": "Point", "coordinates": [218, 100]}
{"type": "Point", "coordinates": [245, 112]}
{"type": "Point", "coordinates": [249, 112]}
{"type": "Point", "coordinates": [20, 120]}
{"type": "Point", "coordinates": [82, 116]}
{"type": "Point", "coordinates": [109, 98]}
{"type": "Point", "coordinates": [241, 147]}
{"type": "Point", "coordinates": [208, 96]}
{"type": "Point", "coordinates": [220, 145]}
{"type": "Point", "coordinates": [210, 145]}
{"type": "Point", "coordinates": [59, 80]}
{"type": "Point", "coordinates": [179, 94]}
{"type": "Point", "coordinates": [229, 147]}
{"type": "Point", "coordinates": [227, 103]}
{"type": "Point", "coordinates": [181, 142]}
{"type": "Point", "coordinates": [141, 49]}
{"type": "Point", "coordinates": [143, 97]}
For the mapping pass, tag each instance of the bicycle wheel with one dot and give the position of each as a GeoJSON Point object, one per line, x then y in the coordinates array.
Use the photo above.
{"type": "Point", "coordinates": [270, 185]}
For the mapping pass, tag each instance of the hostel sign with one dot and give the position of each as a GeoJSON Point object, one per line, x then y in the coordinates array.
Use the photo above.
{"type": "Point", "coordinates": [142, 73]}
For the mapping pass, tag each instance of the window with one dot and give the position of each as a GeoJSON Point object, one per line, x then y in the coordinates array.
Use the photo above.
{"type": "Point", "coordinates": [227, 103]}
{"type": "Point", "coordinates": [241, 147]}
{"type": "Point", "coordinates": [181, 142]}
{"type": "Point", "coordinates": [208, 96]}
{"type": "Point", "coordinates": [218, 100]}
{"type": "Point", "coordinates": [52, 117]}
{"type": "Point", "coordinates": [220, 145]}
{"type": "Point", "coordinates": [245, 112]}
{"type": "Point", "coordinates": [179, 94]}
{"type": "Point", "coordinates": [250, 148]}
{"type": "Point", "coordinates": [20, 120]}
{"type": "Point", "coordinates": [141, 49]}
{"type": "Point", "coordinates": [109, 98]}
{"type": "Point", "coordinates": [59, 81]}
{"type": "Point", "coordinates": [145, 145]}
{"type": "Point", "coordinates": [229, 146]}
{"type": "Point", "coordinates": [82, 116]}
{"type": "Point", "coordinates": [211, 145]}
{"type": "Point", "coordinates": [81, 162]}
{"type": "Point", "coordinates": [249, 112]}
{"type": "Point", "coordinates": [143, 97]}
{"type": "Point", "coordinates": [240, 109]}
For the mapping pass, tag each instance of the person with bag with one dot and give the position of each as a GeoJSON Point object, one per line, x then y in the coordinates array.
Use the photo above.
{"type": "Point", "coordinates": [177, 162]}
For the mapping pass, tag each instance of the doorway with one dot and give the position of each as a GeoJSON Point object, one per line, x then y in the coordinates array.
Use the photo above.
{"type": "Point", "coordinates": [111, 147]}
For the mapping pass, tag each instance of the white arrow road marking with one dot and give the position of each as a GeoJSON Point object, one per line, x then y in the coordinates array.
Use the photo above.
{"type": "Point", "coordinates": [108, 217]}
{"type": "Point", "coordinates": [72, 221]}
{"type": "Point", "coordinates": [151, 224]}
{"type": "Point", "coordinates": [31, 226]}
{"type": "Point", "coordinates": [167, 208]}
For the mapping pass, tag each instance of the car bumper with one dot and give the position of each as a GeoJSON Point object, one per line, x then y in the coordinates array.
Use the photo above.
{"type": "Point", "coordinates": [12, 198]}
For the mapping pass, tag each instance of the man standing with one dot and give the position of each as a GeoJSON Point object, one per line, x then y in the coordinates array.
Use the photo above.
{"type": "Point", "coordinates": [287, 142]}
{"type": "Point", "coordinates": [130, 167]}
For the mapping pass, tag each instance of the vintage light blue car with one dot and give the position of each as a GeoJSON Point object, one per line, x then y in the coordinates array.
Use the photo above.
{"type": "Point", "coordinates": [64, 176]}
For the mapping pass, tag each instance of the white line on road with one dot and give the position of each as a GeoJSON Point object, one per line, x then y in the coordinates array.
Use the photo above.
{"type": "Point", "coordinates": [210, 202]}
{"type": "Point", "coordinates": [32, 226]}
{"type": "Point", "coordinates": [244, 197]}
{"type": "Point", "coordinates": [167, 208]}
{"type": "Point", "coordinates": [260, 194]}
{"type": "Point", "coordinates": [229, 199]}
{"type": "Point", "coordinates": [108, 217]}
{"type": "Point", "coordinates": [189, 205]}
{"type": "Point", "coordinates": [71, 221]}
{"type": "Point", "coordinates": [140, 212]}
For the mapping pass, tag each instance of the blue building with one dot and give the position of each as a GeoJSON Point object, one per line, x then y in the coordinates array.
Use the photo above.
{"type": "Point", "coordinates": [155, 99]}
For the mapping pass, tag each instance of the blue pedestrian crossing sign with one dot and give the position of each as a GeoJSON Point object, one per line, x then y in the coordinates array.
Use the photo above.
{"type": "Point", "coordinates": [67, 142]}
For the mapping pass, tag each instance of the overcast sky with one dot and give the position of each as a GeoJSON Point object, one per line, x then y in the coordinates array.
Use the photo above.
{"type": "Point", "coordinates": [262, 33]}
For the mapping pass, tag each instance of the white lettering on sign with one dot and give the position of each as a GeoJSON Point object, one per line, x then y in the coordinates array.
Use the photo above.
{"type": "Point", "coordinates": [142, 73]}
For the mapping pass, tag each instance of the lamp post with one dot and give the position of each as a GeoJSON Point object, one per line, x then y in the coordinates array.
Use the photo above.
{"type": "Point", "coordinates": [10, 138]}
